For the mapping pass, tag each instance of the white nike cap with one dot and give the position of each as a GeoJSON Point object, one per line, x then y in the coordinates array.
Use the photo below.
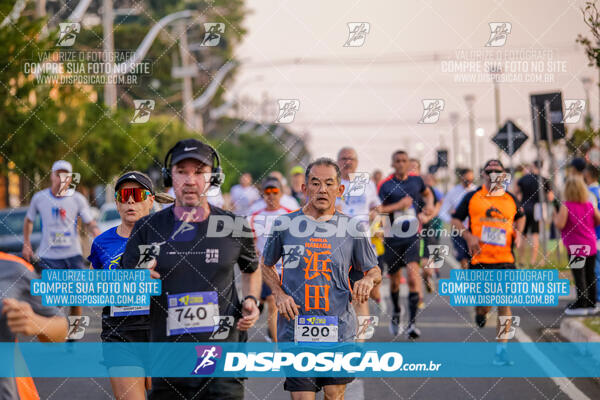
{"type": "Point", "coordinates": [62, 165]}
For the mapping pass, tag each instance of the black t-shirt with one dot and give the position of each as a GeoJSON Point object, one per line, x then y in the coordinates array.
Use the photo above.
{"type": "Point", "coordinates": [529, 186]}
{"type": "Point", "coordinates": [391, 191]}
{"type": "Point", "coordinates": [189, 262]}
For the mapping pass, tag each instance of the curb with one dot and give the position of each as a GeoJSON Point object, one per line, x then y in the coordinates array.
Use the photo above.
{"type": "Point", "coordinates": [574, 330]}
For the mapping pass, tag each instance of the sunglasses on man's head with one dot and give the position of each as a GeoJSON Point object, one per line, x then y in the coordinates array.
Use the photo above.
{"type": "Point", "coordinates": [138, 194]}
{"type": "Point", "coordinates": [272, 191]}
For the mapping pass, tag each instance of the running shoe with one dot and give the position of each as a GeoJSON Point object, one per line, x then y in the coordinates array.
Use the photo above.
{"type": "Point", "coordinates": [480, 320]}
{"type": "Point", "coordinates": [413, 332]}
{"type": "Point", "coordinates": [593, 310]}
{"type": "Point", "coordinates": [501, 359]}
{"type": "Point", "coordinates": [395, 324]}
{"type": "Point", "coordinates": [572, 309]}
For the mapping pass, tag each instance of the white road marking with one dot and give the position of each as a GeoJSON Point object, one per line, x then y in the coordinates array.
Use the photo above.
{"type": "Point", "coordinates": [548, 366]}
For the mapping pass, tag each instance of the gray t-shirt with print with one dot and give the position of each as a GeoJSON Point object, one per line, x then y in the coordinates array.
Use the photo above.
{"type": "Point", "coordinates": [59, 223]}
{"type": "Point", "coordinates": [315, 270]}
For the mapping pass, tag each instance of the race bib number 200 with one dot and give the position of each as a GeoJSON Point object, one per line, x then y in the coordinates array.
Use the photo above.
{"type": "Point", "coordinates": [191, 312]}
{"type": "Point", "coordinates": [311, 329]}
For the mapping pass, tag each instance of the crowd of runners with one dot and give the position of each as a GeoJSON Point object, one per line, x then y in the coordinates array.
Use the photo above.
{"type": "Point", "coordinates": [400, 222]}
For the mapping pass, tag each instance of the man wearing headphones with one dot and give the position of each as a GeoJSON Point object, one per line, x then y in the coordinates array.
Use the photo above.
{"type": "Point", "coordinates": [199, 300]}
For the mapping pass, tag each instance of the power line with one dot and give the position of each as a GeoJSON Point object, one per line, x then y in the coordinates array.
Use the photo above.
{"type": "Point", "coordinates": [398, 58]}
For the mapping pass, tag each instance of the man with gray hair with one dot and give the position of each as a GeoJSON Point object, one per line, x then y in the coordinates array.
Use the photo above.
{"type": "Point", "coordinates": [315, 269]}
{"type": "Point", "coordinates": [360, 201]}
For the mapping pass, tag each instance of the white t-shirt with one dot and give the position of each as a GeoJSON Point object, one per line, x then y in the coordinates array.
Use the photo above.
{"type": "Point", "coordinates": [261, 222]}
{"type": "Point", "coordinates": [242, 198]}
{"type": "Point", "coordinates": [60, 239]}
{"type": "Point", "coordinates": [452, 199]}
{"type": "Point", "coordinates": [358, 201]}
{"type": "Point", "coordinates": [286, 201]}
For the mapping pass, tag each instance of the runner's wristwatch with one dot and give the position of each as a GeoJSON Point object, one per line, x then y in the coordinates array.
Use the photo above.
{"type": "Point", "coordinates": [253, 298]}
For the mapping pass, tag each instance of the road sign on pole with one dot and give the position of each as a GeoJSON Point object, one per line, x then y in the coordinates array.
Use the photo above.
{"type": "Point", "coordinates": [541, 197]}
{"type": "Point", "coordinates": [510, 138]}
{"type": "Point", "coordinates": [538, 102]}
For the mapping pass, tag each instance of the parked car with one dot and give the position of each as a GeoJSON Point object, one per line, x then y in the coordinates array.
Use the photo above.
{"type": "Point", "coordinates": [11, 230]}
{"type": "Point", "coordinates": [109, 217]}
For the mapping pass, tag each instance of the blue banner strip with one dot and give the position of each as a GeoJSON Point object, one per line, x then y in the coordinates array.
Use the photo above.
{"type": "Point", "coordinates": [220, 359]}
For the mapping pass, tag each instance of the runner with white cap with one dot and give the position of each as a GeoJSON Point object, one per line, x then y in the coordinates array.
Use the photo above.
{"type": "Point", "coordinates": [59, 206]}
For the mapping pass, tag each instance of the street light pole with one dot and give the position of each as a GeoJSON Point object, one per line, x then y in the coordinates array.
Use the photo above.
{"type": "Point", "coordinates": [495, 72]}
{"type": "Point", "coordinates": [480, 133]}
{"type": "Point", "coordinates": [108, 44]}
{"type": "Point", "coordinates": [187, 95]}
{"type": "Point", "coordinates": [40, 8]}
{"type": "Point", "coordinates": [470, 101]}
{"type": "Point", "coordinates": [455, 150]}
{"type": "Point", "coordinates": [586, 81]}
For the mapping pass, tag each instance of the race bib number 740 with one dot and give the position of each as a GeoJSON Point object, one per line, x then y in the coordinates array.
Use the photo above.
{"type": "Point", "coordinates": [191, 312]}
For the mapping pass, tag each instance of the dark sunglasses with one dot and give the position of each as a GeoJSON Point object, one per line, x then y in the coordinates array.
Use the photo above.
{"type": "Point", "coordinates": [138, 194]}
{"type": "Point", "coordinates": [491, 171]}
{"type": "Point", "coordinates": [272, 191]}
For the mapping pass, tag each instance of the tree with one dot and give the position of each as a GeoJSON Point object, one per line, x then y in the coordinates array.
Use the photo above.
{"type": "Point", "coordinates": [34, 117]}
{"type": "Point", "coordinates": [591, 17]}
{"type": "Point", "coordinates": [580, 141]}
{"type": "Point", "coordinates": [250, 152]}
{"type": "Point", "coordinates": [583, 138]}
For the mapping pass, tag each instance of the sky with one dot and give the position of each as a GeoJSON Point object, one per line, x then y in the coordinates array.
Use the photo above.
{"type": "Point", "coordinates": [370, 96]}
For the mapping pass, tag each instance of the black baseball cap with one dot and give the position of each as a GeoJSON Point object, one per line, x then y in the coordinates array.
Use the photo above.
{"type": "Point", "coordinates": [495, 161]}
{"type": "Point", "coordinates": [271, 182]}
{"type": "Point", "coordinates": [192, 148]}
{"type": "Point", "coordinates": [136, 176]}
{"type": "Point", "coordinates": [578, 163]}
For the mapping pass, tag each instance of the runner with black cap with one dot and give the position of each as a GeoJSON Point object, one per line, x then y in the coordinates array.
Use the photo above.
{"type": "Point", "coordinates": [496, 221]}
{"type": "Point", "coordinates": [134, 196]}
{"type": "Point", "coordinates": [261, 222]}
{"type": "Point", "coordinates": [199, 293]}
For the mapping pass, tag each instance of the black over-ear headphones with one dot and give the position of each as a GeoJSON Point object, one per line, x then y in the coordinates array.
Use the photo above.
{"type": "Point", "coordinates": [216, 178]}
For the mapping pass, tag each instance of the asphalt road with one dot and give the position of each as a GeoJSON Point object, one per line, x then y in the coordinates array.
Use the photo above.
{"type": "Point", "coordinates": [439, 322]}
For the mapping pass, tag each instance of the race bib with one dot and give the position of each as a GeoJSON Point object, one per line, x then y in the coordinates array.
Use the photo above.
{"type": "Point", "coordinates": [126, 311]}
{"type": "Point", "coordinates": [495, 236]}
{"type": "Point", "coordinates": [60, 239]}
{"type": "Point", "coordinates": [311, 329]}
{"type": "Point", "coordinates": [191, 312]}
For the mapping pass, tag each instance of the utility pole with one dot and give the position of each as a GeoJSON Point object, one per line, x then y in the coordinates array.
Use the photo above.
{"type": "Point", "coordinates": [541, 194]}
{"type": "Point", "coordinates": [40, 8]}
{"type": "Point", "coordinates": [470, 100]}
{"type": "Point", "coordinates": [496, 73]}
{"type": "Point", "coordinates": [455, 150]}
{"type": "Point", "coordinates": [108, 44]}
{"type": "Point", "coordinates": [186, 64]}
{"type": "Point", "coordinates": [587, 84]}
